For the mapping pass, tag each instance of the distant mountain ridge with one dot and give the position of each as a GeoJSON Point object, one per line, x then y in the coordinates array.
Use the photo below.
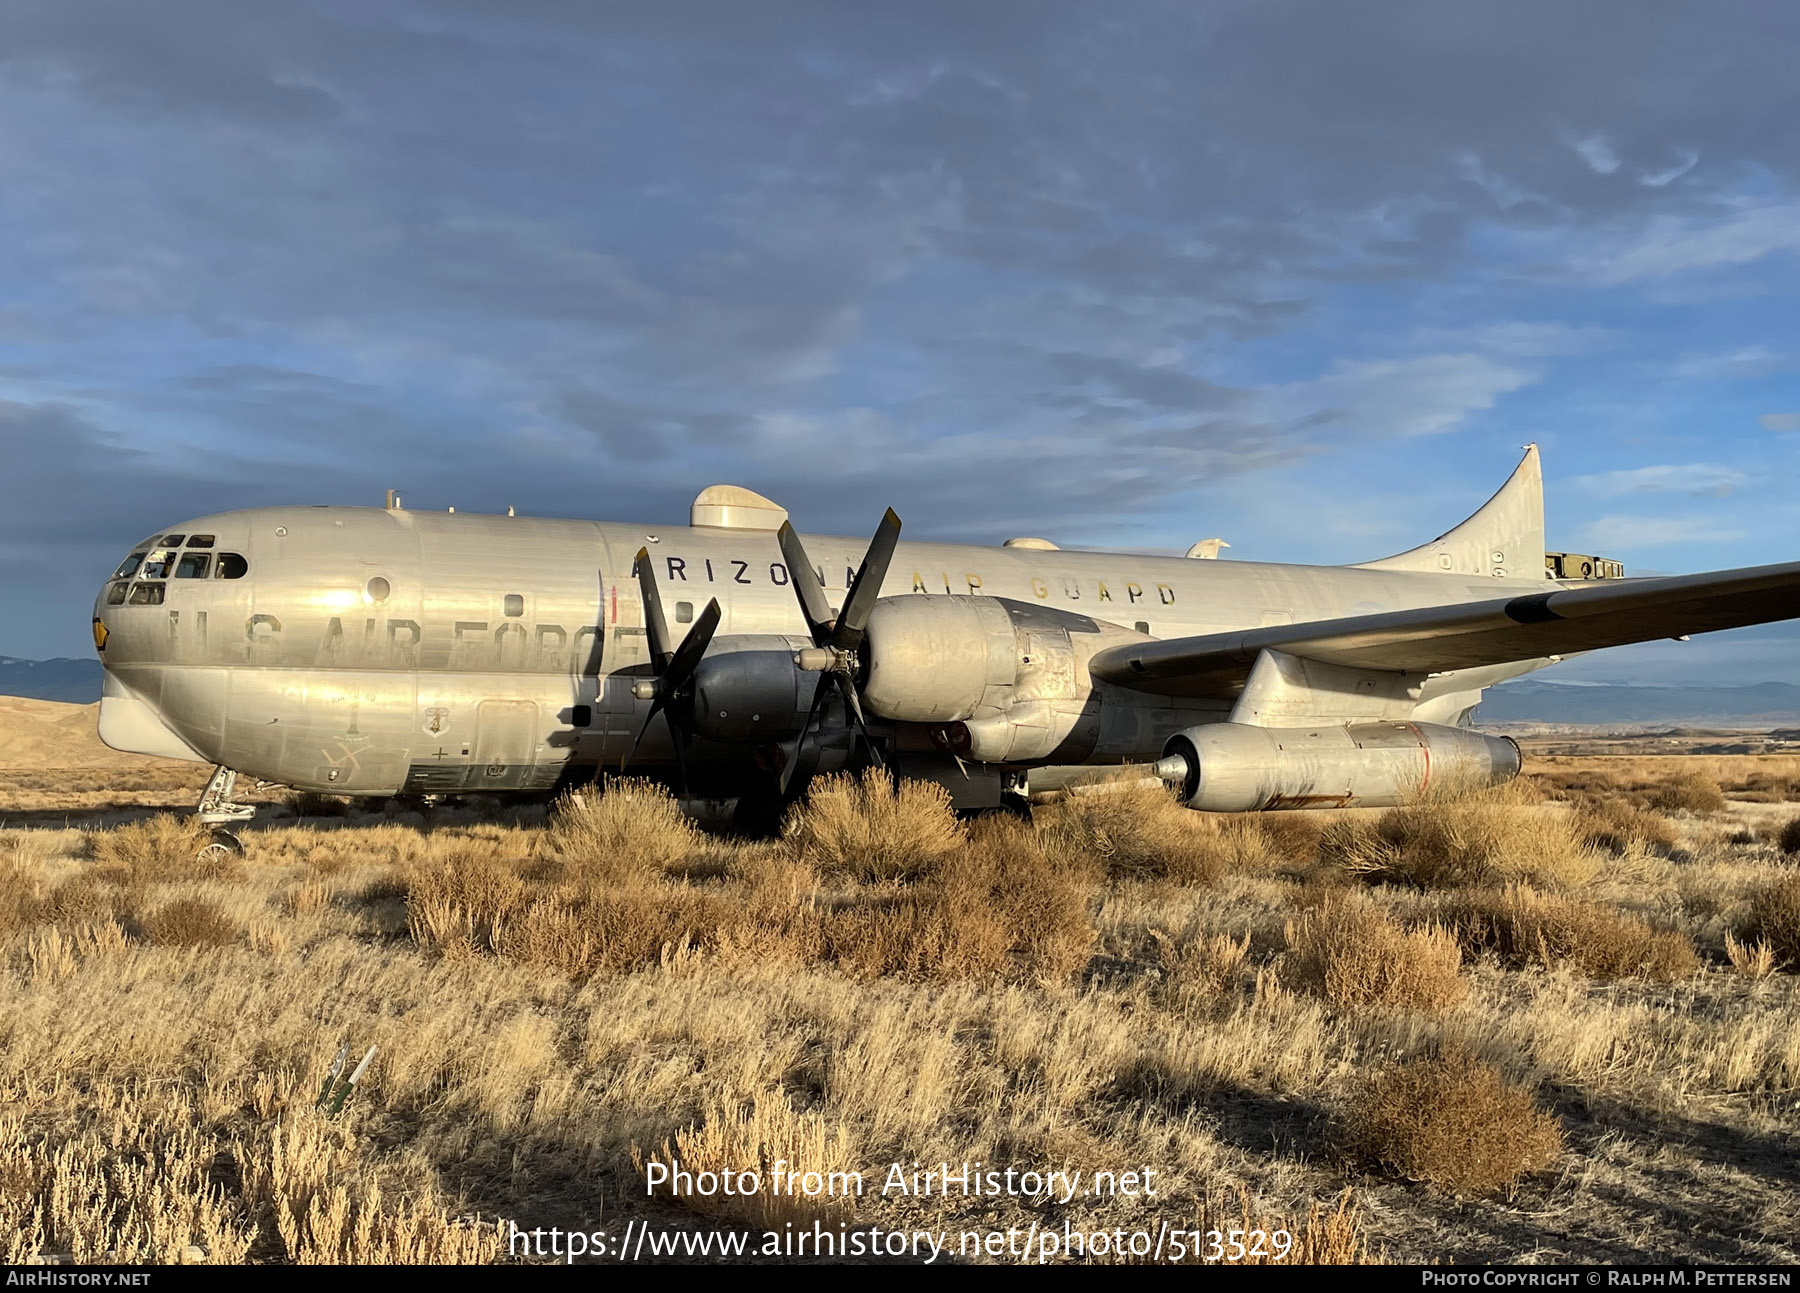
{"type": "Point", "coordinates": [76, 682]}
{"type": "Point", "coordinates": [1532, 700]}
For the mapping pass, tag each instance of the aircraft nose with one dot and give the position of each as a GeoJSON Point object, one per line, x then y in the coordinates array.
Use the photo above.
{"type": "Point", "coordinates": [154, 608]}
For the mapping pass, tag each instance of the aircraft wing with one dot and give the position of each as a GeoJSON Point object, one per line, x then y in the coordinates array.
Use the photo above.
{"type": "Point", "coordinates": [1435, 639]}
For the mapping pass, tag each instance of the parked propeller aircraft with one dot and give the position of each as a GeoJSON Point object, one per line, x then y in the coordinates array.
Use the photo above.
{"type": "Point", "coordinates": [381, 651]}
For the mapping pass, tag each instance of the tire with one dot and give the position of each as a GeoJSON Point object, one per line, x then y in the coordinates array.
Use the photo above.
{"type": "Point", "coordinates": [224, 846]}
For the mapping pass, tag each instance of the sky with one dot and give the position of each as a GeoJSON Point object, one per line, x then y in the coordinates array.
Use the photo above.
{"type": "Point", "coordinates": [1306, 276]}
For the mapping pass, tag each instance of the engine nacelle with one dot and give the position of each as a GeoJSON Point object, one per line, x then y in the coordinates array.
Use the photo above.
{"type": "Point", "coordinates": [1238, 768]}
{"type": "Point", "coordinates": [1001, 681]}
{"type": "Point", "coordinates": [939, 659]}
{"type": "Point", "coordinates": [748, 690]}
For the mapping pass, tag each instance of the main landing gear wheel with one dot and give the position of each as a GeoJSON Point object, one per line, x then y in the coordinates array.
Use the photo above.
{"type": "Point", "coordinates": [222, 847]}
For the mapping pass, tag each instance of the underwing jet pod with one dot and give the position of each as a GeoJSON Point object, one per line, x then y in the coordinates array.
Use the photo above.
{"type": "Point", "coordinates": [381, 651]}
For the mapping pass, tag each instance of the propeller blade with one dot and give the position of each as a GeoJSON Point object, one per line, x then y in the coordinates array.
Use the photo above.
{"type": "Point", "coordinates": [678, 739]}
{"type": "Point", "coordinates": [686, 659]}
{"type": "Point", "coordinates": [854, 705]}
{"type": "Point", "coordinates": [656, 626]}
{"type": "Point", "coordinates": [813, 606]}
{"type": "Point", "coordinates": [812, 714]}
{"type": "Point", "coordinates": [655, 709]}
{"type": "Point", "coordinates": [865, 589]}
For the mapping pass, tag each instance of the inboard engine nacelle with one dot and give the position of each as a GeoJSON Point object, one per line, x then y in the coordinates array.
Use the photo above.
{"type": "Point", "coordinates": [939, 659]}
{"type": "Point", "coordinates": [998, 681]}
{"type": "Point", "coordinates": [1237, 768]}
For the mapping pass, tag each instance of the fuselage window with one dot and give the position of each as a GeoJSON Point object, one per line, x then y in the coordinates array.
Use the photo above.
{"type": "Point", "coordinates": [115, 596]}
{"type": "Point", "coordinates": [173, 540]}
{"type": "Point", "coordinates": [581, 716]}
{"type": "Point", "coordinates": [193, 565]}
{"type": "Point", "coordinates": [147, 595]}
{"type": "Point", "coordinates": [684, 612]}
{"type": "Point", "coordinates": [200, 541]}
{"type": "Point", "coordinates": [513, 605]}
{"type": "Point", "coordinates": [231, 566]}
{"type": "Point", "coordinates": [159, 564]}
{"type": "Point", "coordinates": [128, 567]}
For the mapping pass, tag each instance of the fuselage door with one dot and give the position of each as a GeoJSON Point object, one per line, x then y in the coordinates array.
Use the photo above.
{"type": "Point", "coordinates": [505, 749]}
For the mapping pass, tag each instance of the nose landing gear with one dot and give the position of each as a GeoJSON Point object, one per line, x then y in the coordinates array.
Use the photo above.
{"type": "Point", "coordinates": [217, 811]}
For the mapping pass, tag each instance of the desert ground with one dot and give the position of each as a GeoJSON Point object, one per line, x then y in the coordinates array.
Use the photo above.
{"type": "Point", "coordinates": [1550, 1023]}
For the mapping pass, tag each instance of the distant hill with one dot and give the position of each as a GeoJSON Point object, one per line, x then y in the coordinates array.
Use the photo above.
{"type": "Point", "coordinates": [49, 734]}
{"type": "Point", "coordinates": [76, 682]}
{"type": "Point", "coordinates": [1530, 700]}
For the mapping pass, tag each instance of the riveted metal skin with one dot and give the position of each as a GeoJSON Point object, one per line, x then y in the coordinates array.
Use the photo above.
{"type": "Point", "coordinates": [938, 659]}
{"type": "Point", "coordinates": [370, 651]}
{"type": "Point", "coordinates": [749, 689]}
{"type": "Point", "coordinates": [1238, 768]}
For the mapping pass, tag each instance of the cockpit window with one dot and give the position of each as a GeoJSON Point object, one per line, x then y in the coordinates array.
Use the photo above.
{"type": "Point", "coordinates": [200, 541]}
{"type": "Point", "coordinates": [160, 562]}
{"type": "Point", "coordinates": [231, 566]}
{"type": "Point", "coordinates": [193, 565]}
{"type": "Point", "coordinates": [146, 595]}
{"type": "Point", "coordinates": [128, 567]}
{"type": "Point", "coordinates": [115, 595]}
{"type": "Point", "coordinates": [173, 540]}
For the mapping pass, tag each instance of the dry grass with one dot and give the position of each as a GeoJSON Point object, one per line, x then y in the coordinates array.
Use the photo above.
{"type": "Point", "coordinates": [1619, 825]}
{"type": "Point", "coordinates": [1774, 920]}
{"type": "Point", "coordinates": [159, 849]}
{"type": "Point", "coordinates": [1483, 838]}
{"type": "Point", "coordinates": [1328, 1235]}
{"type": "Point", "coordinates": [870, 830]}
{"type": "Point", "coordinates": [1527, 928]}
{"type": "Point", "coordinates": [1142, 832]}
{"type": "Point", "coordinates": [1689, 792]}
{"type": "Point", "coordinates": [550, 991]}
{"type": "Point", "coordinates": [798, 1156]}
{"type": "Point", "coordinates": [1752, 960]}
{"type": "Point", "coordinates": [1672, 779]}
{"type": "Point", "coordinates": [190, 922]}
{"type": "Point", "coordinates": [1453, 1122]}
{"type": "Point", "coordinates": [1202, 971]}
{"type": "Point", "coordinates": [633, 830]}
{"type": "Point", "coordinates": [307, 803]}
{"type": "Point", "coordinates": [1001, 905]}
{"type": "Point", "coordinates": [604, 897]}
{"type": "Point", "coordinates": [1351, 954]}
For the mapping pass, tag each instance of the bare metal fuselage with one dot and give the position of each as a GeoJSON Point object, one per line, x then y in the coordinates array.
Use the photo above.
{"type": "Point", "coordinates": [372, 651]}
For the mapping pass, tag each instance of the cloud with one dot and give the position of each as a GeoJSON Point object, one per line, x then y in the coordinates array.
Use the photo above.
{"type": "Point", "coordinates": [1009, 266]}
{"type": "Point", "coordinates": [1779, 421]}
{"type": "Point", "coordinates": [1428, 395]}
{"type": "Point", "coordinates": [1616, 535]}
{"type": "Point", "coordinates": [1697, 480]}
{"type": "Point", "coordinates": [1755, 360]}
{"type": "Point", "coordinates": [1738, 233]}
{"type": "Point", "coordinates": [1668, 175]}
{"type": "Point", "coordinates": [1597, 153]}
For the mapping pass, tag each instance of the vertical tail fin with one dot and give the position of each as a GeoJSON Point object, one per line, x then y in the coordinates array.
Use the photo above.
{"type": "Point", "coordinates": [1505, 539]}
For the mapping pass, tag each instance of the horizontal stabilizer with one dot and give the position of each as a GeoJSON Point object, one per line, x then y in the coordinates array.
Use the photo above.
{"type": "Point", "coordinates": [1435, 639]}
